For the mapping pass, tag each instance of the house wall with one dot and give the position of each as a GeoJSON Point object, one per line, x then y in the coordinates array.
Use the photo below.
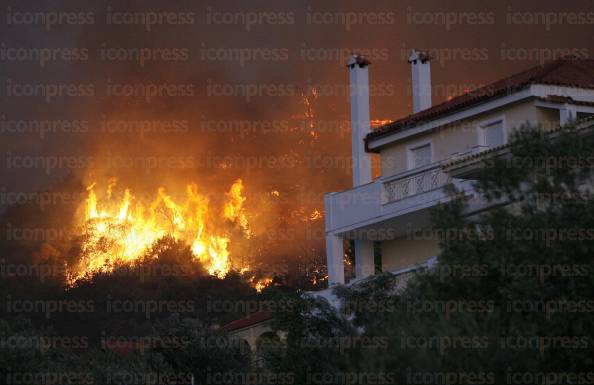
{"type": "Point", "coordinates": [548, 117]}
{"type": "Point", "coordinates": [464, 135]}
{"type": "Point", "coordinates": [460, 138]}
{"type": "Point", "coordinates": [402, 252]}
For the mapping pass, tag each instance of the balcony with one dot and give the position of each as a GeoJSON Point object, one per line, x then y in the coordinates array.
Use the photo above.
{"type": "Point", "coordinates": [399, 187]}
{"type": "Point", "coordinates": [388, 198]}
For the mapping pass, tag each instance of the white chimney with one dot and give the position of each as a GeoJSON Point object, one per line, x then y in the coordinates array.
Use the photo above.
{"type": "Point", "coordinates": [421, 80]}
{"type": "Point", "coordinates": [360, 120]}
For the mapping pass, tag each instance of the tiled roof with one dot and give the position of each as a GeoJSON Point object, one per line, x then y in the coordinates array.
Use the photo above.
{"type": "Point", "coordinates": [473, 156]}
{"type": "Point", "coordinates": [568, 71]}
{"type": "Point", "coordinates": [250, 320]}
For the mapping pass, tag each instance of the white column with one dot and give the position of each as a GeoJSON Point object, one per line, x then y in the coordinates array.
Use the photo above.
{"type": "Point", "coordinates": [335, 259]}
{"type": "Point", "coordinates": [360, 121]}
{"type": "Point", "coordinates": [567, 113]}
{"type": "Point", "coordinates": [364, 261]}
{"type": "Point", "coordinates": [421, 80]}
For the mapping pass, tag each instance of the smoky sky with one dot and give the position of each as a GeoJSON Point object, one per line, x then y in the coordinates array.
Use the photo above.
{"type": "Point", "coordinates": [275, 69]}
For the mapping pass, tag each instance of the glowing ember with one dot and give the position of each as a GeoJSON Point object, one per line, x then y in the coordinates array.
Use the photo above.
{"type": "Point", "coordinates": [120, 230]}
{"type": "Point", "coordinates": [376, 123]}
{"type": "Point", "coordinates": [309, 113]}
{"type": "Point", "coordinates": [262, 283]}
{"type": "Point", "coordinates": [315, 215]}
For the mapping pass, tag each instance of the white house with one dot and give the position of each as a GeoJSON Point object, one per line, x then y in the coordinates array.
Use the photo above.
{"type": "Point", "coordinates": [435, 145]}
{"type": "Point", "coordinates": [419, 154]}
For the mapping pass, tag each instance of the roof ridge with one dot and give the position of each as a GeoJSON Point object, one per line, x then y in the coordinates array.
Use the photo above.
{"type": "Point", "coordinates": [551, 66]}
{"type": "Point", "coordinates": [472, 92]}
{"type": "Point", "coordinates": [543, 69]}
{"type": "Point", "coordinates": [508, 84]}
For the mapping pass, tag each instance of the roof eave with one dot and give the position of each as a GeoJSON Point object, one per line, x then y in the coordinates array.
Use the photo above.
{"type": "Point", "coordinates": [447, 118]}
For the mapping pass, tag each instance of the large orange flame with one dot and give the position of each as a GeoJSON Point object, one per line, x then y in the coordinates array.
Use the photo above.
{"type": "Point", "coordinates": [234, 210]}
{"type": "Point", "coordinates": [120, 230]}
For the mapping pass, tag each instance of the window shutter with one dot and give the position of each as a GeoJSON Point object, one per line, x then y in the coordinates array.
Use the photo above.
{"type": "Point", "coordinates": [421, 156]}
{"type": "Point", "coordinates": [493, 134]}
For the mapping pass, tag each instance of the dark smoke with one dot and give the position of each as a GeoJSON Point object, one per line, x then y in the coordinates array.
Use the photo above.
{"type": "Point", "coordinates": [292, 161]}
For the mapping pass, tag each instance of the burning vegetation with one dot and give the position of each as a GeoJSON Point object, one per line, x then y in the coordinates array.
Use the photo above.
{"type": "Point", "coordinates": [118, 228]}
{"type": "Point", "coordinates": [255, 210]}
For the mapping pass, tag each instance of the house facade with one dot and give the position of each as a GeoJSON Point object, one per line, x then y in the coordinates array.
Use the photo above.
{"type": "Point", "coordinates": [434, 146]}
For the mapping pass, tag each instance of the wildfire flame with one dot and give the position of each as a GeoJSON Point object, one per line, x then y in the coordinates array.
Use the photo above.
{"type": "Point", "coordinates": [234, 207]}
{"type": "Point", "coordinates": [309, 114]}
{"type": "Point", "coordinates": [262, 283]}
{"type": "Point", "coordinates": [315, 215]}
{"type": "Point", "coordinates": [120, 230]}
{"type": "Point", "coordinates": [376, 123]}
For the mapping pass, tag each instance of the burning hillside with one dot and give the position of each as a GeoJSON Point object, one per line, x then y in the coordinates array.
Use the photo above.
{"type": "Point", "coordinates": [118, 228]}
{"type": "Point", "coordinates": [243, 204]}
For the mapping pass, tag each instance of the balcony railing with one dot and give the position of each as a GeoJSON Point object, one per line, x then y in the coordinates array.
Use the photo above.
{"type": "Point", "coordinates": [423, 181]}
{"type": "Point", "coordinates": [388, 197]}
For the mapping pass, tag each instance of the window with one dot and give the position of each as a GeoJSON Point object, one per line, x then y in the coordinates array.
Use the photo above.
{"type": "Point", "coordinates": [492, 134]}
{"type": "Point", "coordinates": [420, 156]}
